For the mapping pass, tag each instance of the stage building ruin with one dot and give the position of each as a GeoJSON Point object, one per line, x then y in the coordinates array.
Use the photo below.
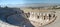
{"type": "Point", "coordinates": [40, 17]}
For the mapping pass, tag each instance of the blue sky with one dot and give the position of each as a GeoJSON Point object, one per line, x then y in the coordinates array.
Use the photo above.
{"type": "Point", "coordinates": [6, 2]}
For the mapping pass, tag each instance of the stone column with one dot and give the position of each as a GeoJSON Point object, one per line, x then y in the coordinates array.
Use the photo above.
{"type": "Point", "coordinates": [31, 14]}
{"type": "Point", "coordinates": [35, 15]}
{"type": "Point", "coordinates": [40, 16]}
{"type": "Point", "coordinates": [48, 17]}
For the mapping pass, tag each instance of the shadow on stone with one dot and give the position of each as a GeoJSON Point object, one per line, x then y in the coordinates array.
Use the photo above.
{"type": "Point", "coordinates": [12, 17]}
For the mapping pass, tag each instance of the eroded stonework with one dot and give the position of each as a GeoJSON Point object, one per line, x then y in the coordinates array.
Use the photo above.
{"type": "Point", "coordinates": [40, 18]}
